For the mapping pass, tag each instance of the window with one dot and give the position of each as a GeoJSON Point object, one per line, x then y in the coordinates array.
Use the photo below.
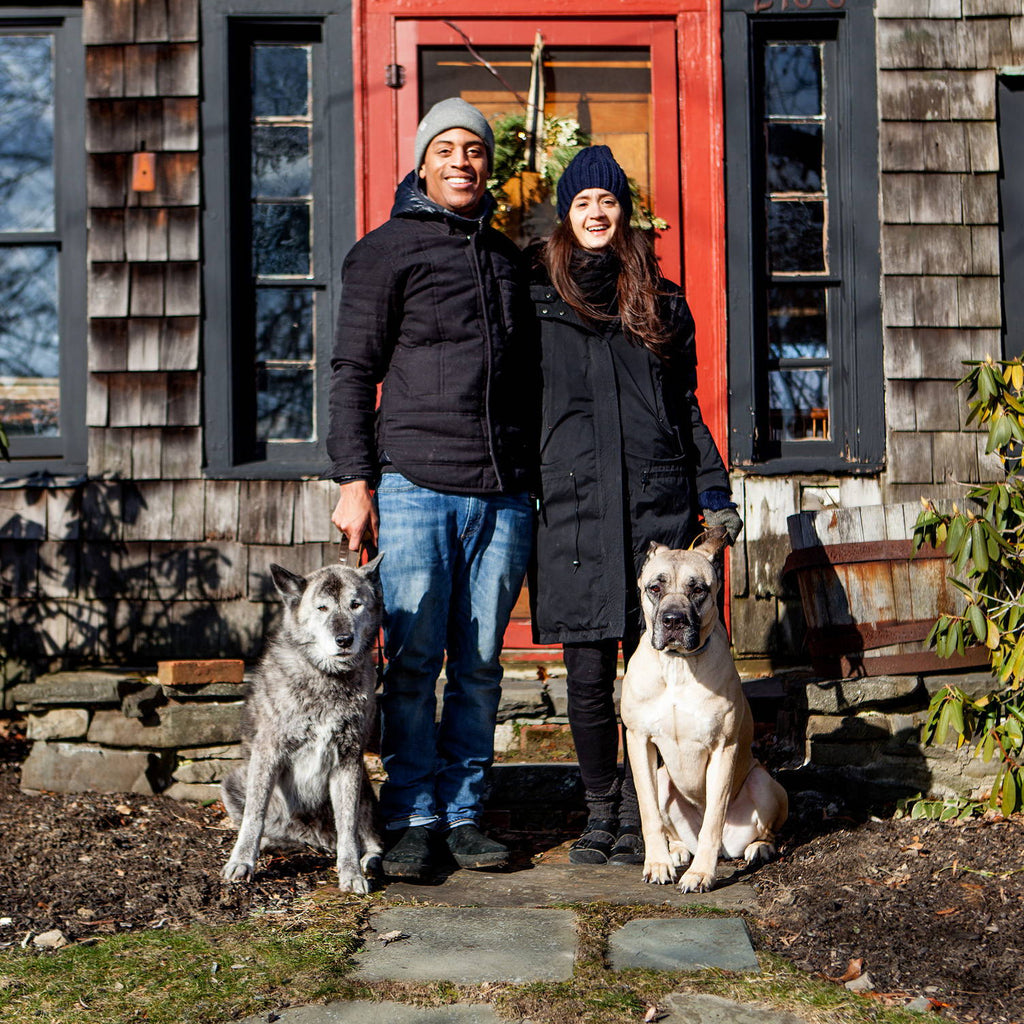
{"type": "Point", "coordinates": [804, 276]}
{"type": "Point", "coordinates": [42, 240]}
{"type": "Point", "coordinates": [279, 219]}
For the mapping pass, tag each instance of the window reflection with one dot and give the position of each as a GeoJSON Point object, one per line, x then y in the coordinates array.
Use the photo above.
{"type": "Point", "coordinates": [792, 79]}
{"type": "Point", "coordinates": [281, 165]}
{"type": "Point", "coordinates": [280, 80]}
{"type": "Point", "coordinates": [26, 133]}
{"type": "Point", "coordinates": [798, 404]}
{"type": "Point", "coordinates": [280, 239]}
{"type": "Point", "coordinates": [795, 158]}
{"type": "Point", "coordinates": [29, 340]}
{"type": "Point", "coordinates": [796, 237]}
{"type": "Point", "coordinates": [284, 403]}
{"type": "Point", "coordinates": [797, 327]}
{"type": "Point", "coordinates": [284, 323]}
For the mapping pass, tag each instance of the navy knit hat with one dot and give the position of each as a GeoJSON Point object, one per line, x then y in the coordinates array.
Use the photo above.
{"type": "Point", "coordinates": [593, 167]}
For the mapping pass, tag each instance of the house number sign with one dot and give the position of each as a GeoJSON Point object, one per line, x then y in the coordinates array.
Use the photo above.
{"type": "Point", "coordinates": [760, 6]}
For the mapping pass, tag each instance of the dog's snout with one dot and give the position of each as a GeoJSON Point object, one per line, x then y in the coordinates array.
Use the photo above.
{"type": "Point", "coordinates": [344, 641]}
{"type": "Point", "coordinates": [672, 619]}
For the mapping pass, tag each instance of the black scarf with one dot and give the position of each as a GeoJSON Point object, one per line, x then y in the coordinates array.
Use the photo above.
{"type": "Point", "coordinates": [597, 274]}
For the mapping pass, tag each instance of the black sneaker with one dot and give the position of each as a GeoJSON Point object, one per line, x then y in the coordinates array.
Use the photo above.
{"type": "Point", "coordinates": [629, 846]}
{"type": "Point", "coordinates": [595, 845]}
{"type": "Point", "coordinates": [470, 848]}
{"type": "Point", "coordinates": [411, 855]}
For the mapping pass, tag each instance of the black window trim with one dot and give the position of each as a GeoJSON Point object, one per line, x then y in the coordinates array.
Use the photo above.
{"type": "Point", "coordinates": [858, 421]}
{"type": "Point", "coordinates": [225, 250]}
{"type": "Point", "coordinates": [66, 454]}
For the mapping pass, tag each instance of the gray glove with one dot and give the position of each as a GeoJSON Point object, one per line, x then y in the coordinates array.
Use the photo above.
{"type": "Point", "coordinates": [727, 518]}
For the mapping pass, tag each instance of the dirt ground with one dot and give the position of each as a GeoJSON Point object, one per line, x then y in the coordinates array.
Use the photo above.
{"type": "Point", "coordinates": [928, 909]}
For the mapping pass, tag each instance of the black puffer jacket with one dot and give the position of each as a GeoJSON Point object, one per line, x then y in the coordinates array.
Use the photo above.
{"type": "Point", "coordinates": [434, 305]}
{"type": "Point", "coordinates": [604, 498]}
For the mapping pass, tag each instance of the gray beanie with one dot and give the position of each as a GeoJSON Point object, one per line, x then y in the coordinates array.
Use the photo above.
{"type": "Point", "coordinates": [452, 113]}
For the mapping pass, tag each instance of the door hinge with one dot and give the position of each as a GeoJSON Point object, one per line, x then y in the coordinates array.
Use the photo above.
{"type": "Point", "coordinates": [394, 76]}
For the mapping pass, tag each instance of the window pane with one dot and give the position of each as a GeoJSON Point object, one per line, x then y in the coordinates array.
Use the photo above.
{"type": "Point", "coordinates": [26, 133]}
{"type": "Point", "coordinates": [284, 404]}
{"type": "Point", "coordinates": [280, 239]}
{"type": "Point", "coordinates": [284, 324]}
{"type": "Point", "coordinates": [280, 161]}
{"type": "Point", "coordinates": [792, 77]}
{"type": "Point", "coordinates": [794, 158]}
{"type": "Point", "coordinates": [29, 340]}
{"type": "Point", "coordinates": [798, 405]}
{"type": "Point", "coordinates": [797, 325]}
{"type": "Point", "coordinates": [280, 80]}
{"type": "Point", "coordinates": [796, 237]}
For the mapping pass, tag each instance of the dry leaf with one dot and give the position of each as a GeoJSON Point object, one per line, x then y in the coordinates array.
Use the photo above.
{"type": "Point", "coordinates": [395, 936]}
{"type": "Point", "coordinates": [123, 809]}
{"type": "Point", "coordinates": [653, 1013]}
{"type": "Point", "coordinates": [854, 969]}
{"type": "Point", "coordinates": [948, 910]}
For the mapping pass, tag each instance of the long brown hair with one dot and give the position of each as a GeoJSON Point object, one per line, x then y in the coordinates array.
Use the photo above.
{"type": "Point", "coordinates": [638, 285]}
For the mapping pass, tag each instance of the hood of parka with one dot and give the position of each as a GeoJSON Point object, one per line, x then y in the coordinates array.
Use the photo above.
{"type": "Point", "coordinates": [412, 201]}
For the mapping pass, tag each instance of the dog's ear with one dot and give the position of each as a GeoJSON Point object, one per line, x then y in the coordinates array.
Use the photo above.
{"type": "Point", "coordinates": [711, 542]}
{"type": "Point", "coordinates": [290, 586]}
{"type": "Point", "coordinates": [372, 569]}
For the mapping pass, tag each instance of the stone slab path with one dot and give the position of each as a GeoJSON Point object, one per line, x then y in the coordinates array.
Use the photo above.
{"type": "Point", "coordinates": [683, 944]}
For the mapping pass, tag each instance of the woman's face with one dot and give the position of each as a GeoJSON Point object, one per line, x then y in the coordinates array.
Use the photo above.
{"type": "Point", "coordinates": [594, 216]}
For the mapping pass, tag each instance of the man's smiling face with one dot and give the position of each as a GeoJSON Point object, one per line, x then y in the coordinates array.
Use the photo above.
{"type": "Point", "coordinates": [454, 170]}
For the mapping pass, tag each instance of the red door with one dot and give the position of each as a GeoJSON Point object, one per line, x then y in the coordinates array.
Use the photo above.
{"type": "Point", "coordinates": [647, 85]}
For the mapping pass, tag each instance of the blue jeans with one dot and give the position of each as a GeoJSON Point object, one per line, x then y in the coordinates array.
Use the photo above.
{"type": "Point", "coordinates": [452, 570]}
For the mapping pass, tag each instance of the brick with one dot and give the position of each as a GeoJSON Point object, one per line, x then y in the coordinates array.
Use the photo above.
{"type": "Point", "coordinates": [175, 725]}
{"type": "Point", "coordinates": [215, 670]}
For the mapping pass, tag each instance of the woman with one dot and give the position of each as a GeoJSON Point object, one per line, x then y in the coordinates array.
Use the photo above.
{"type": "Point", "coordinates": [625, 459]}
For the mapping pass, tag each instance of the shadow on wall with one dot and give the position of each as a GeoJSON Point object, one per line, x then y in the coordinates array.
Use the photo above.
{"type": "Point", "coordinates": [83, 585]}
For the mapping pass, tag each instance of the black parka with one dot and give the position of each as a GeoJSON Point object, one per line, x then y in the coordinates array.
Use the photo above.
{"type": "Point", "coordinates": [601, 501]}
{"type": "Point", "coordinates": [434, 306]}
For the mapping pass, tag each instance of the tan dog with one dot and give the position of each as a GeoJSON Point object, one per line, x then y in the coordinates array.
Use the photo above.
{"type": "Point", "coordinates": [682, 699]}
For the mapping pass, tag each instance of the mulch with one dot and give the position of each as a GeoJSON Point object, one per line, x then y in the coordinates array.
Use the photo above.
{"type": "Point", "coordinates": [927, 909]}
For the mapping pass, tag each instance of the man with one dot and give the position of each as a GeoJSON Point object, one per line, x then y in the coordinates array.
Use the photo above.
{"type": "Point", "coordinates": [430, 309]}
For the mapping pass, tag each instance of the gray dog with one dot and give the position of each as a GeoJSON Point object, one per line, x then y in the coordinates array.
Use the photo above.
{"type": "Point", "coordinates": [306, 721]}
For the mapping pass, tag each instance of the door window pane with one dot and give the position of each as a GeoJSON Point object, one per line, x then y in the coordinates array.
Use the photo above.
{"type": "Point", "coordinates": [792, 74]}
{"type": "Point", "coordinates": [797, 326]}
{"type": "Point", "coordinates": [281, 165]}
{"type": "Point", "coordinates": [281, 244]}
{"type": "Point", "coordinates": [798, 404]}
{"type": "Point", "coordinates": [26, 133]}
{"type": "Point", "coordinates": [29, 341]}
{"type": "Point", "coordinates": [284, 323]}
{"type": "Point", "coordinates": [284, 403]}
{"type": "Point", "coordinates": [795, 158]}
{"type": "Point", "coordinates": [280, 80]}
{"type": "Point", "coordinates": [796, 237]}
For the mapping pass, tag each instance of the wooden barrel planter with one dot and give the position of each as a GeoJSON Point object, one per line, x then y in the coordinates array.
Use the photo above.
{"type": "Point", "coordinates": [869, 601]}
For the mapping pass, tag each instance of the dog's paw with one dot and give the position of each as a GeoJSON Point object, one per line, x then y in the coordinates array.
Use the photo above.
{"type": "Point", "coordinates": [659, 872]}
{"type": "Point", "coordinates": [372, 864]}
{"type": "Point", "coordinates": [696, 881]}
{"type": "Point", "coordinates": [237, 871]}
{"type": "Point", "coordinates": [679, 853]}
{"type": "Point", "coordinates": [759, 853]}
{"type": "Point", "coordinates": [353, 883]}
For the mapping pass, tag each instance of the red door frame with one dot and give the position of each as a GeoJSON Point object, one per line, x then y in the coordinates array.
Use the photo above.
{"type": "Point", "coordinates": [689, 113]}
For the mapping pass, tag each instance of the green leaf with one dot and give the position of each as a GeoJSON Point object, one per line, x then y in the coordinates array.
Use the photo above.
{"type": "Point", "coordinates": [976, 617]}
{"type": "Point", "coordinates": [1009, 802]}
{"type": "Point", "coordinates": [978, 546]}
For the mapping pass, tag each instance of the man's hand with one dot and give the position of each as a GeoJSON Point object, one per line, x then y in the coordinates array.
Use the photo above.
{"type": "Point", "coordinates": [728, 518]}
{"type": "Point", "coordinates": [355, 515]}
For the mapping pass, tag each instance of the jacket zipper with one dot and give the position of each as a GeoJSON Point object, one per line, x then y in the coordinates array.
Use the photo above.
{"type": "Point", "coordinates": [473, 240]}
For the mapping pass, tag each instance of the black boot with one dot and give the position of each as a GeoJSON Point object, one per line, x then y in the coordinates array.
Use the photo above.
{"type": "Point", "coordinates": [629, 846]}
{"type": "Point", "coordinates": [472, 849]}
{"type": "Point", "coordinates": [411, 855]}
{"type": "Point", "coordinates": [595, 845]}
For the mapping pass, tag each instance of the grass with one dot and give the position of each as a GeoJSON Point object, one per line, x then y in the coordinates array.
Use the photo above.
{"type": "Point", "coordinates": [208, 975]}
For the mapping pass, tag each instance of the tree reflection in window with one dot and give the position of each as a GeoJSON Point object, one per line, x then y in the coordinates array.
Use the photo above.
{"type": "Point", "coordinates": [281, 178]}
{"type": "Point", "coordinates": [29, 323]}
{"type": "Point", "coordinates": [797, 242]}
